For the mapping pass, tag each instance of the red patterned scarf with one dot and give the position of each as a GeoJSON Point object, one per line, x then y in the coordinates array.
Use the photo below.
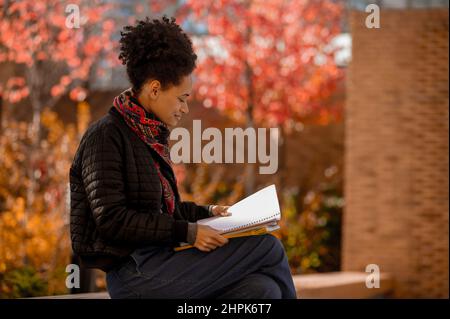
{"type": "Point", "coordinates": [155, 134]}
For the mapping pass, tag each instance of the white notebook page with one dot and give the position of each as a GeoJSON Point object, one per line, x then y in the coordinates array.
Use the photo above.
{"type": "Point", "coordinates": [257, 208]}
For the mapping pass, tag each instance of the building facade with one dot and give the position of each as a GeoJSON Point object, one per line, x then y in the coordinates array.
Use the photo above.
{"type": "Point", "coordinates": [396, 161]}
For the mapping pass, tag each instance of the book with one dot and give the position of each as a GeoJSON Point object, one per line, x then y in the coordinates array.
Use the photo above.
{"type": "Point", "coordinates": [254, 231]}
{"type": "Point", "coordinates": [258, 208]}
{"type": "Point", "coordinates": [258, 212]}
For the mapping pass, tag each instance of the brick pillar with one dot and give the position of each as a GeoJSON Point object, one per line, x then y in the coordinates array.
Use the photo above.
{"type": "Point", "coordinates": [396, 161]}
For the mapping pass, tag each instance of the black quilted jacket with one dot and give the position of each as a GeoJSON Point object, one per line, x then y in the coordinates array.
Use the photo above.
{"type": "Point", "coordinates": [116, 197]}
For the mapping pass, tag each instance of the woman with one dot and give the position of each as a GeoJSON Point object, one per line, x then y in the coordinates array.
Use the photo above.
{"type": "Point", "coordinates": [126, 213]}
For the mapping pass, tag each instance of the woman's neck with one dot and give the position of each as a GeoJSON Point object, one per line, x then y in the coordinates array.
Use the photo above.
{"type": "Point", "coordinates": [143, 101]}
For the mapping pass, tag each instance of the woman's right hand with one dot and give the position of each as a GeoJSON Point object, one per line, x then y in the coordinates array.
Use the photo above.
{"type": "Point", "coordinates": [208, 238]}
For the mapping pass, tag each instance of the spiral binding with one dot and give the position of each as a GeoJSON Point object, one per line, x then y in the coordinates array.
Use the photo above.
{"type": "Point", "coordinates": [259, 221]}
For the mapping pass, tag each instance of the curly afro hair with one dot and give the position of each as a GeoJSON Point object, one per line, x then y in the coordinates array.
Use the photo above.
{"type": "Point", "coordinates": [156, 49]}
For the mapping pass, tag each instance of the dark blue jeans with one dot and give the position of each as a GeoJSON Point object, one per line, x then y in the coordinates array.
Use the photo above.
{"type": "Point", "coordinates": [253, 267]}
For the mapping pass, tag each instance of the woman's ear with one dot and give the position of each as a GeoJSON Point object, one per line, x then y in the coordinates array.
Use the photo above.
{"type": "Point", "coordinates": [153, 89]}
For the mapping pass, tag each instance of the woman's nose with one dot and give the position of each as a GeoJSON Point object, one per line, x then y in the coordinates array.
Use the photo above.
{"type": "Point", "coordinates": [184, 108]}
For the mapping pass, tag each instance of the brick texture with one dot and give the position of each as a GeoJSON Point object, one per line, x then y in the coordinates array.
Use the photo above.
{"type": "Point", "coordinates": [396, 160]}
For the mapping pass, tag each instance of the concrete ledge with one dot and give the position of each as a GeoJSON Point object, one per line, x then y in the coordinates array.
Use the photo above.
{"type": "Point", "coordinates": [341, 285]}
{"type": "Point", "coordinates": [333, 285]}
{"type": "Point", "coordinates": [90, 295]}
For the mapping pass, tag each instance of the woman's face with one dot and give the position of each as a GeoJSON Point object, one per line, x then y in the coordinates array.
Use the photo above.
{"type": "Point", "coordinates": [168, 105]}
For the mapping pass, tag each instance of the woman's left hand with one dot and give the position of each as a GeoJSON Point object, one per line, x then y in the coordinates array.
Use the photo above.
{"type": "Point", "coordinates": [218, 210]}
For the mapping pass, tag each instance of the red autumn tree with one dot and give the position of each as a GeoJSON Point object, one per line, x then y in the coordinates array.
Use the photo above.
{"type": "Point", "coordinates": [268, 63]}
{"type": "Point", "coordinates": [57, 44]}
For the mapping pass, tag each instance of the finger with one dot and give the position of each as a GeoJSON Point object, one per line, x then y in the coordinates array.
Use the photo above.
{"type": "Point", "coordinates": [203, 248]}
{"type": "Point", "coordinates": [211, 243]}
{"type": "Point", "coordinates": [214, 242]}
{"type": "Point", "coordinates": [217, 210]}
{"type": "Point", "coordinates": [221, 240]}
{"type": "Point", "coordinates": [213, 247]}
{"type": "Point", "coordinates": [224, 211]}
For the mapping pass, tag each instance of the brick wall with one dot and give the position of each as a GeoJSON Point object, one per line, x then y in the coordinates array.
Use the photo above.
{"type": "Point", "coordinates": [396, 161]}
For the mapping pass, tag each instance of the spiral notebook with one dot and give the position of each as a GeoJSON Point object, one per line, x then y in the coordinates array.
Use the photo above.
{"type": "Point", "coordinates": [259, 208]}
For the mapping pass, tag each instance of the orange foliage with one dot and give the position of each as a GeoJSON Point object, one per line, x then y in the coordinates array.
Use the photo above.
{"type": "Point", "coordinates": [37, 237]}
{"type": "Point", "coordinates": [205, 184]}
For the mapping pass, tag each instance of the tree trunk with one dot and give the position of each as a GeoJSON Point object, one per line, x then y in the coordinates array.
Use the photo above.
{"type": "Point", "coordinates": [249, 168]}
{"type": "Point", "coordinates": [35, 138]}
{"type": "Point", "coordinates": [282, 164]}
{"type": "Point", "coordinates": [34, 132]}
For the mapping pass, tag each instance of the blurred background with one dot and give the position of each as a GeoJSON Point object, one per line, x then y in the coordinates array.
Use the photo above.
{"type": "Point", "coordinates": [363, 114]}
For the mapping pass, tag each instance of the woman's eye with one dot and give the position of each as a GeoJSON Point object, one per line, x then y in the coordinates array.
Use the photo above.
{"type": "Point", "coordinates": [181, 100]}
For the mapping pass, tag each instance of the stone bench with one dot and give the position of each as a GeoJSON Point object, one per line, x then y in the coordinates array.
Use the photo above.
{"type": "Point", "coordinates": [338, 285]}
{"type": "Point", "coordinates": [333, 285]}
{"type": "Point", "coordinates": [89, 295]}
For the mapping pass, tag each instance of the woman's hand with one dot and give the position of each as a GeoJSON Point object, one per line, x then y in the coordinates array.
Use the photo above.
{"type": "Point", "coordinates": [208, 238]}
{"type": "Point", "coordinates": [220, 210]}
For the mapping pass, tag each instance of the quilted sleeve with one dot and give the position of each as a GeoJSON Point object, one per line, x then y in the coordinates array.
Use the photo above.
{"type": "Point", "coordinates": [193, 212]}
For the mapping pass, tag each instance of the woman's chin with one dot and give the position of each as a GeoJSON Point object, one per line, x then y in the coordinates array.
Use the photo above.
{"type": "Point", "coordinates": [172, 122]}
{"type": "Point", "coordinates": [175, 121]}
